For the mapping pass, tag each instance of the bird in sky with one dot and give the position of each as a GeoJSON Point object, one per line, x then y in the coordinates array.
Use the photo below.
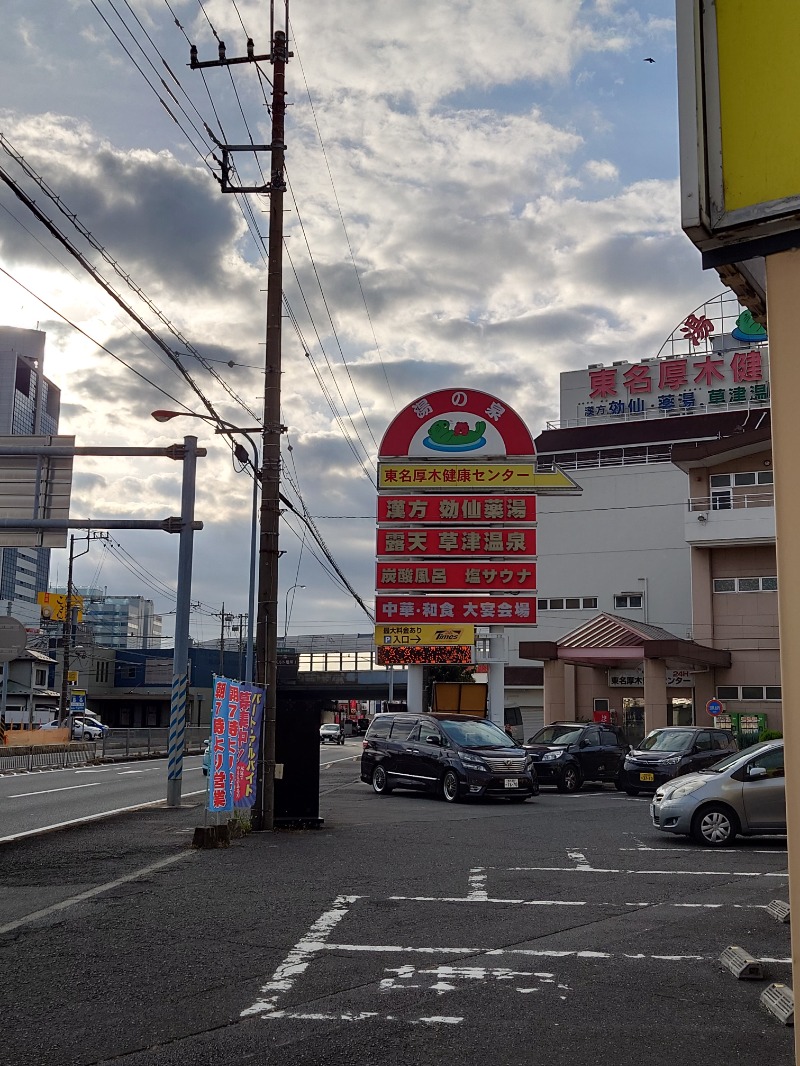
{"type": "Point", "coordinates": [648, 60]}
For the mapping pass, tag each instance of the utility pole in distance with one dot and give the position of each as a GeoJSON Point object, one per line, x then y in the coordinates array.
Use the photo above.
{"type": "Point", "coordinates": [266, 649]}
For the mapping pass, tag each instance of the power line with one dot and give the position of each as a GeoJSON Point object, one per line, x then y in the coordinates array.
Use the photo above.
{"type": "Point", "coordinates": [344, 227]}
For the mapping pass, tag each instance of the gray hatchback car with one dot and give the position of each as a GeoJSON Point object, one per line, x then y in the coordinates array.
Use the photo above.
{"type": "Point", "coordinates": [743, 793]}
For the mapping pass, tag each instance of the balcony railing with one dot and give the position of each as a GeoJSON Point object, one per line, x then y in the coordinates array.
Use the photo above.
{"type": "Point", "coordinates": [733, 501]}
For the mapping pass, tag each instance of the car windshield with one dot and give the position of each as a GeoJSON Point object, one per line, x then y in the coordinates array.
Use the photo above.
{"type": "Point", "coordinates": [667, 740]}
{"type": "Point", "coordinates": [557, 736]}
{"type": "Point", "coordinates": [477, 734]}
{"type": "Point", "coordinates": [735, 758]}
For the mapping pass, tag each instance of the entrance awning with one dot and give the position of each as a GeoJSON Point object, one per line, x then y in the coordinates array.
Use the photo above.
{"type": "Point", "coordinates": [610, 640]}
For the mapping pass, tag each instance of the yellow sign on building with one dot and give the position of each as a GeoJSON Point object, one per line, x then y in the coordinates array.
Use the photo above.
{"type": "Point", "coordinates": [54, 606]}
{"type": "Point", "coordinates": [426, 635]}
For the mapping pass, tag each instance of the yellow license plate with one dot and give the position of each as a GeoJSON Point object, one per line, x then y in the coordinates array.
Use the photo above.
{"type": "Point", "coordinates": [646, 777]}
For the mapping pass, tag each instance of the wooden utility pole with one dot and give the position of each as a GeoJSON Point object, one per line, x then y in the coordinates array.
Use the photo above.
{"type": "Point", "coordinates": [266, 644]}
{"type": "Point", "coordinates": [268, 555]}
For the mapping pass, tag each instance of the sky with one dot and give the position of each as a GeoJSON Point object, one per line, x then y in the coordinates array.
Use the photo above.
{"type": "Point", "coordinates": [480, 195]}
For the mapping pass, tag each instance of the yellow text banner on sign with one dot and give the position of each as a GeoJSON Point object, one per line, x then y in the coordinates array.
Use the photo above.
{"type": "Point", "coordinates": [450, 477]}
{"type": "Point", "coordinates": [424, 635]}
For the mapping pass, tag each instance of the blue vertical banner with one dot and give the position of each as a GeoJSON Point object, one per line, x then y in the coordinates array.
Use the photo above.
{"type": "Point", "coordinates": [235, 734]}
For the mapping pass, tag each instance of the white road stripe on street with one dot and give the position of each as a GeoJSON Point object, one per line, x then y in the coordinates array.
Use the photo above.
{"type": "Point", "coordinates": [90, 818]}
{"type": "Point", "coordinates": [91, 892]}
{"type": "Point", "coordinates": [47, 791]}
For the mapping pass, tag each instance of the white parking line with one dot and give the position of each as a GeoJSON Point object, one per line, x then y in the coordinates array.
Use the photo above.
{"type": "Point", "coordinates": [642, 873]}
{"type": "Point", "coordinates": [298, 959]}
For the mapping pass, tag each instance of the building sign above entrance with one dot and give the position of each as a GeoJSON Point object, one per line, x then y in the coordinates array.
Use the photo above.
{"type": "Point", "coordinates": [633, 677]}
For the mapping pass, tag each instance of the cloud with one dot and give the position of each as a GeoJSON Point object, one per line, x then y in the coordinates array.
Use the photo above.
{"type": "Point", "coordinates": [471, 201]}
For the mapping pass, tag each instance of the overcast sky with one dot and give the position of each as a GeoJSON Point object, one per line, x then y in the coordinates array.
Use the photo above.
{"type": "Point", "coordinates": [480, 195]}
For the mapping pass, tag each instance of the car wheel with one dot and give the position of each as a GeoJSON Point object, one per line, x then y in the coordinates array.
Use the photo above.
{"type": "Point", "coordinates": [570, 780]}
{"type": "Point", "coordinates": [450, 786]}
{"type": "Point", "coordinates": [380, 781]}
{"type": "Point", "coordinates": [632, 791]}
{"type": "Point", "coordinates": [714, 826]}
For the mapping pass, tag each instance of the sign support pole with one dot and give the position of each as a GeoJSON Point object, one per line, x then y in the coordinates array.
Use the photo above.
{"type": "Point", "coordinates": [783, 284]}
{"type": "Point", "coordinates": [415, 689]}
{"type": "Point", "coordinates": [497, 676]}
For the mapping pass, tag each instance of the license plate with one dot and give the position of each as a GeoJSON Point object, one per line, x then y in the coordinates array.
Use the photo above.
{"type": "Point", "coordinates": [646, 777]}
{"type": "Point", "coordinates": [511, 782]}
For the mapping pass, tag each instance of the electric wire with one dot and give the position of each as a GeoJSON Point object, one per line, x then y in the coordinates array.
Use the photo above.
{"type": "Point", "coordinates": [83, 333]}
{"type": "Point", "coordinates": [341, 218]}
{"type": "Point", "coordinates": [330, 318]}
{"type": "Point", "coordinates": [118, 270]}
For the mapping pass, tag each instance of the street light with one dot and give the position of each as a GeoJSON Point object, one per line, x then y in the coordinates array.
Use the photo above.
{"type": "Point", "coordinates": [241, 455]}
{"type": "Point", "coordinates": [286, 612]}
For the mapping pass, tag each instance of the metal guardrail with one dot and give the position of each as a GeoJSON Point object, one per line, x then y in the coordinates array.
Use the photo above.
{"type": "Point", "coordinates": [147, 741]}
{"type": "Point", "coordinates": [117, 743]}
{"type": "Point", "coordinates": [35, 757]}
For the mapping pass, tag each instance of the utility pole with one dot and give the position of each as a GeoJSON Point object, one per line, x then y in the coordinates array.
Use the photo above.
{"type": "Point", "coordinates": [266, 643]}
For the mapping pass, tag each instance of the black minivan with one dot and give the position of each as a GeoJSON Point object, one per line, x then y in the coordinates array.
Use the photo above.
{"type": "Point", "coordinates": [455, 755]}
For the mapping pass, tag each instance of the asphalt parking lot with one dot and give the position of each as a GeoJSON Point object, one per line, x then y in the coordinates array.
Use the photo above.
{"type": "Point", "coordinates": [564, 930]}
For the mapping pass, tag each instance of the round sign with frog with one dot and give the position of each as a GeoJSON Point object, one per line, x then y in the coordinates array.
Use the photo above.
{"type": "Point", "coordinates": [457, 422]}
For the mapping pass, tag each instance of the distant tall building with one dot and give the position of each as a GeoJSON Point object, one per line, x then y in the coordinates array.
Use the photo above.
{"type": "Point", "coordinates": [119, 621]}
{"type": "Point", "coordinates": [29, 404]}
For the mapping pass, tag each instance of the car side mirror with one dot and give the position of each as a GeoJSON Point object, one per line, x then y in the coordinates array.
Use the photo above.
{"type": "Point", "coordinates": [433, 739]}
{"type": "Point", "coordinates": [754, 772]}
{"type": "Point", "coordinates": [584, 743]}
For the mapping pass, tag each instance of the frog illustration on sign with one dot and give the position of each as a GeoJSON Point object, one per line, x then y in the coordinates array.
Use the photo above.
{"type": "Point", "coordinates": [444, 437]}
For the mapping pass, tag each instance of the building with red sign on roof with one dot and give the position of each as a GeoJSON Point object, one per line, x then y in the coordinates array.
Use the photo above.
{"type": "Point", "coordinates": [668, 555]}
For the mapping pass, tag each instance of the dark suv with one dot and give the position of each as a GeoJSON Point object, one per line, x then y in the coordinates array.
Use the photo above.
{"type": "Point", "coordinates": [454, 755]}
{"type": "Point", "coordinates": [672, 751]}
{"type": "Point", "coordinates": [568, 753]}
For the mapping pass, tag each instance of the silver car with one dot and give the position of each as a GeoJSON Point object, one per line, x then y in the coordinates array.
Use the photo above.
{"type": "Point", "coordinates": [743, 793]}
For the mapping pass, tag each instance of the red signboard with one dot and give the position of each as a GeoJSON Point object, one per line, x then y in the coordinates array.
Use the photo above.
{"type": "Point", "coordinates": [489, 610]}
{"type": "Point", "coordinates": [457, 422]}
{"type": "Point", "coordinates": [455, 543]}
{"type": "Point", "coordinates": [459, 510]}
{"type": "Point", "coordinates": [477, 576]}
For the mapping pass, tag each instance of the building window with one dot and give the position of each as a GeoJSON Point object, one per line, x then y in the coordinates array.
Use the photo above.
{"type": "Point", "coordinates": [748, 692]}
{"type": "Point", "coordinates": [629, 600]}
{"type": "Point", "coordinates": [571, 603]}
{"type": "Point", "coordinates": [101, 671]}
{"type": "Point", "coordinates": [40, 677]}
{"type": "Point", "coordinates": [745, 584]}
{"type": "Point", "coordinates": [722, 486]}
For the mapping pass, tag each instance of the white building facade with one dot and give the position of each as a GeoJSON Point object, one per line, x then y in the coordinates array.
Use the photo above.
{"type": "Point", "coordinates": [29, 404]}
